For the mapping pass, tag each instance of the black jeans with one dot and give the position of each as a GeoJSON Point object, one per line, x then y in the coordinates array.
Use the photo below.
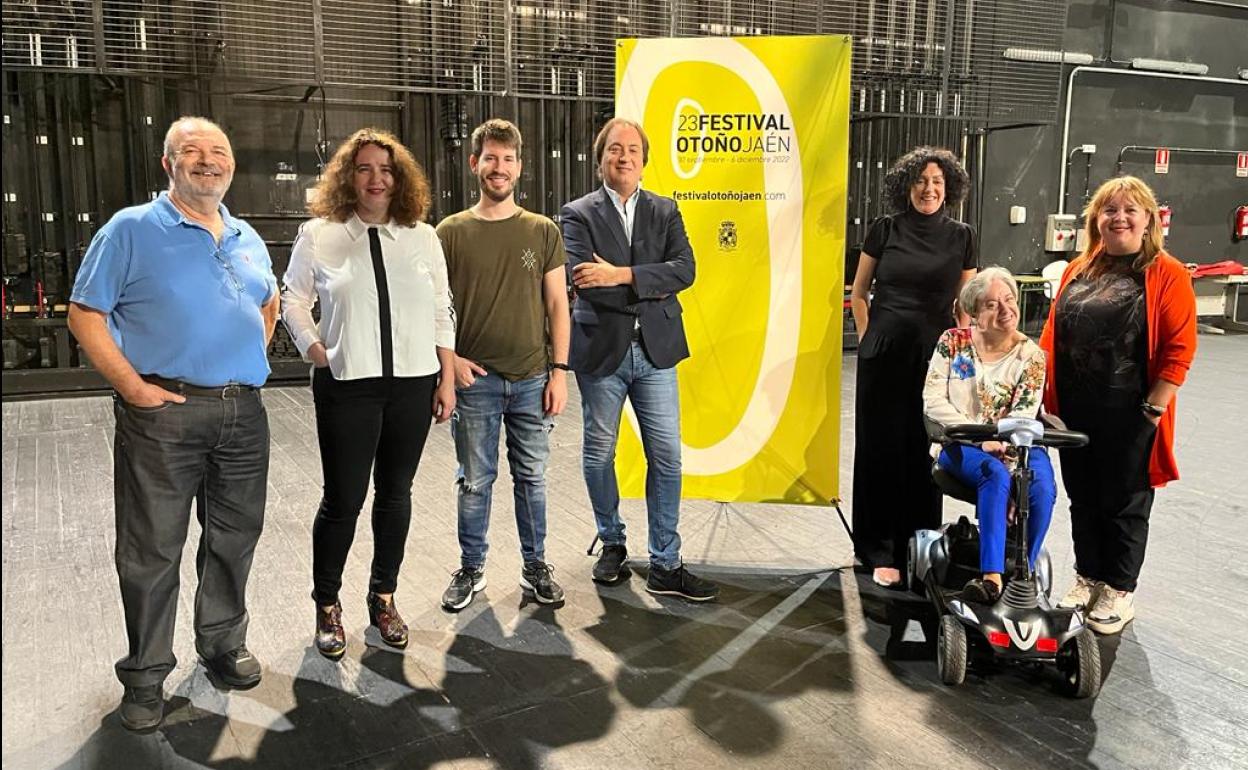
{"type": "Point", "coordinates": [214, 451]}
{"type": "Point", "coordinates": [377, 424]}
{"type": "Point", "coordinates": [1110, 494]}
{"type": "Point", "coordinates": [893, 489]}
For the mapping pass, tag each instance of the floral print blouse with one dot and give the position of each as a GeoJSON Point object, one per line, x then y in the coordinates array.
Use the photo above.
{"type": "Point", "coordinates": [960, 388]}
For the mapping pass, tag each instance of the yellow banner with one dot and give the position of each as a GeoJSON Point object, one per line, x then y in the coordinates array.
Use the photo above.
{"type": "Point", "coordinates": [750, 136]}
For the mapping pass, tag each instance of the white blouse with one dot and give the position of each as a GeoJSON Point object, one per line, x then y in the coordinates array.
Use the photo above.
{"type": "Point", "coordinates": [331, 263]}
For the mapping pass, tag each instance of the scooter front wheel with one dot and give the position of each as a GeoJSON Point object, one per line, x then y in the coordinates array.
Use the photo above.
{"type": "Point", "coordinates": [951, 651]}
{"type": "Point", "coordinates": [1080, 665]}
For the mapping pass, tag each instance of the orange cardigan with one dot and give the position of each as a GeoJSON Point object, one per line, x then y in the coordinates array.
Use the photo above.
{"type": "Point", "coordinates": [1171, 306]}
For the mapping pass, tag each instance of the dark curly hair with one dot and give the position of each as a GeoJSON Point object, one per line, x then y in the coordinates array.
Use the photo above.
{"type": "Point", "coordinates": [909, 167]}
{"type": "Point", "coordinates": [335, 197]}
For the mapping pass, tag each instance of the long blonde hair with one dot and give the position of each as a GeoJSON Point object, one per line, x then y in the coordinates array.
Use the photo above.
{"type": "Point", "coordinates": [1141, 195]}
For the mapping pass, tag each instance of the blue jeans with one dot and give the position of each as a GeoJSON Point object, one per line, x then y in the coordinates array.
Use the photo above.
{"type": "Point", "coordinates": [491, 401]}
{"type": "Point", "coordinates": [656, 401]}
{"type": "Point", "coordinates": [989, 476]}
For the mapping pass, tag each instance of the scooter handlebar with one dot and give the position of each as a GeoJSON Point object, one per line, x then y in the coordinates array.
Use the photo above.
{"type": "Point", "coordinates": [976, 432]}
{"type": "Point", "coordinates": [971, 432]}
{"type": "Point", "coordinates": [1062, 439]}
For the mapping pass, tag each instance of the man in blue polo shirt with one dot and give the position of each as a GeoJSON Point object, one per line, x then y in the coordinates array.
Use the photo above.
{"type": "Point", "coordinates": [175, 303]}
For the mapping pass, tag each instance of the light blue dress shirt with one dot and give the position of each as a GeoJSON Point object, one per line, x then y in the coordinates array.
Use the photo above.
{"type": "Point", "coordinates": [626, 210]}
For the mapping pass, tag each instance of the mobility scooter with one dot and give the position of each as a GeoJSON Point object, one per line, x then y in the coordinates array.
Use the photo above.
{"type": "Point", "coordinates": [1022, 626]}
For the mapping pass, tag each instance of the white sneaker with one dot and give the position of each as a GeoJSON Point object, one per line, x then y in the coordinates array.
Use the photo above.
{"type": "Point", "coordinates": [1113, 610]}
{"type": "Point", "coordinates": [1082, 594]}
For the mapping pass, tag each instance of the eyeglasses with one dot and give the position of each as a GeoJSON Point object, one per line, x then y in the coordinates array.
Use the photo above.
{"type": "Point", "coordinates": [229, 269]}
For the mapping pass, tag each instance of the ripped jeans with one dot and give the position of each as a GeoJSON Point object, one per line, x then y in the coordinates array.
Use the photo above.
{"type": "Point", "coordinates": [480, 409]}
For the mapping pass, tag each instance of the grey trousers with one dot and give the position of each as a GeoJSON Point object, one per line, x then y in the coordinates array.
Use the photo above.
{"type": "Point", "coordinates": [212, 451]}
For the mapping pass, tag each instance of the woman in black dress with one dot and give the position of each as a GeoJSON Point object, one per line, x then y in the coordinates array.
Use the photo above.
{"type": "Point", "coordinates": [912, 264]}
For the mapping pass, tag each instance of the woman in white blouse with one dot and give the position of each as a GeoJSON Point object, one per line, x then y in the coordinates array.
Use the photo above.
{"type": "Point", "coordinates": [383, 354]}
{"type": "Point", "coordinates": [980, 375]}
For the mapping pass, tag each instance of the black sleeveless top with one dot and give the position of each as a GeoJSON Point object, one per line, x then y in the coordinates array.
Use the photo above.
{"type": "Point", "coordinates": [921, 259]}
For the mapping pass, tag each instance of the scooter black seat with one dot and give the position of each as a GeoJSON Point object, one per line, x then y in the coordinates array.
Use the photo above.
{"type": "Point", "coordinates": [949, 485]}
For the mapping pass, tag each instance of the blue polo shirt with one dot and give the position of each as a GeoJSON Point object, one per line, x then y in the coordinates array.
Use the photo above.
{"type": "Point", "coordinates": [178, 304]}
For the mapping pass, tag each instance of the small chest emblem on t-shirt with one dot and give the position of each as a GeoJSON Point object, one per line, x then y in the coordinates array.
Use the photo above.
{"type": "Point", "coordinates": [529, 260]}
{"type": "Point", "coordinates": [245, 258]}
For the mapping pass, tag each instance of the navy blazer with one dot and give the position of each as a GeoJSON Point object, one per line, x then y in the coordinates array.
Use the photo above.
{"type": "Point", "coordinates": [662, 261]}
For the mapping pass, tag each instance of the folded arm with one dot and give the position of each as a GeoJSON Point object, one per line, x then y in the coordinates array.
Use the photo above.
{"type": "Point", "coordinates": [676, 272]}
{"type": "Point", "coordinates": [604, 288]}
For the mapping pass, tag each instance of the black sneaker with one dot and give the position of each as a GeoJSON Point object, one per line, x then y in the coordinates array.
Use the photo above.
{"type": "Point", "coordinates": [981, 591]}
{"type": "Point", "coordinates": [465, 584]}
{"type": "Point", "coordinates": [142, 708]}
{"type": "Point", "coordinates": [536, 577]}
{"type": "Point", "coordinates": [680, 582]}
{"type": "Point", "coordinates": [237, 668]}
{"type": "Point", "coordinates": [610, 569]}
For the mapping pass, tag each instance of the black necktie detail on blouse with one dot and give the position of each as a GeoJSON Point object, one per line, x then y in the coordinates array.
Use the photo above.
{"type": "Point", "coordinates": [383, 303]}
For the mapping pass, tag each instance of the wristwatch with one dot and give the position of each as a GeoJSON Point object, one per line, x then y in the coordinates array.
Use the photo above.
{"type": "Point", "coordinates": [1152, 409]}
{"type": "Point", "coordinates": [564, 367]}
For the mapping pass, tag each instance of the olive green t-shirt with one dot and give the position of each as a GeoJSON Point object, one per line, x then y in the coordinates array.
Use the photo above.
{"type": "Point", "coordinates": [496, 269]}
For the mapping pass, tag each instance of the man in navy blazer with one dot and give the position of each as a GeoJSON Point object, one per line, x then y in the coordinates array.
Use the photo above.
{"type": "Point", "coordinates": [628, 258]}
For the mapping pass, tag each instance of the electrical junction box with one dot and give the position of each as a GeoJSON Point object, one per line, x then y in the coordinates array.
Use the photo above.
{"type": "Point", "coordinates": [1059, 232]}
{"type": "Point", "coordinates": [1018, 215]}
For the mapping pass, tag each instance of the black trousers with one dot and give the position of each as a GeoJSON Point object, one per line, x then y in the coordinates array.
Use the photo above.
{"type": "Point", "coordinates": [1110, 495]}
{"type": "Point", "coordinates": [380, 425]}
{"type": "Point", "coordinates": [214, 451]}
{"type": "Point", "coordinates": [893, 489]}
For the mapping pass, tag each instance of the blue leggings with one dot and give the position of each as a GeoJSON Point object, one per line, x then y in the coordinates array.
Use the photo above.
{"type": "Point", "coordinates": [989, 476]}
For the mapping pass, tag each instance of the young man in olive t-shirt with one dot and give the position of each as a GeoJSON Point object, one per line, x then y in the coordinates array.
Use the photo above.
{"type": "Point", "coordinates": [506, 269]}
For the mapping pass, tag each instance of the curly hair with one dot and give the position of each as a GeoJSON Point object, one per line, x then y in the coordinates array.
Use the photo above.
{"type": "Point", "coordinates": [909, 168]}
{"type": "Point", "coordinates": [1141, 195]}
{"type": "Point", "coordinates": [335, 197]}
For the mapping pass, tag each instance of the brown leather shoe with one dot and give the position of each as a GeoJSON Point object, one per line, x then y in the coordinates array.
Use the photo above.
{"type": "Point", "coordinates": [331, 640]}
{"type": "Point", "coordinates": [385, 616]}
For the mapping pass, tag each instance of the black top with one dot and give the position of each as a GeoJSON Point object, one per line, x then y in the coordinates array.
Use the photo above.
{"type": "Point", "coordinates": [921, 259]}
{"type": "Point", "coordinates": [1102, 338]}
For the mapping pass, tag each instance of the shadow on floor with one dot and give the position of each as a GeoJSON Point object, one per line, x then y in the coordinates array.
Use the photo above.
{"type": "Point", "coordinates": [770, 638]}
{"type": "Point", "coordinates": [1013, 715]}
{"type": "Point", "coordinates": [495, 701]}
{"type": "Point", "coordinates": [511, 698]}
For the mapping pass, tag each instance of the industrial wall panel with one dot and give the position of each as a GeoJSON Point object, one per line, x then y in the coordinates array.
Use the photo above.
{"type": "Point", "coordinates": [566, 48]}
{"type": "Point", "coordinates": [451, 45]}
{"type": "Point", "coordinates": [1006, 90]}
{"type": "Point", "coordinates": [274, 39]}
{"type": "Point", "coordinates": [48, 34]}
{"type": "Point", "coordinates": [923, 58]}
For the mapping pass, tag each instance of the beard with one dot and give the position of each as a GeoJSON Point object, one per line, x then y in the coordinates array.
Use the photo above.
{"type": "Point", "coordinates": [498, 196]}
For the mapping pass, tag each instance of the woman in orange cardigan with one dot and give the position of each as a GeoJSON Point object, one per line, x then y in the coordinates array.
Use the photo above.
{"type": "Point", "coordinates": [1120, 338]}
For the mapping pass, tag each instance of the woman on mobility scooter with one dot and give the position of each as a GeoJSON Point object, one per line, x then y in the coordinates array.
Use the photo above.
{"type": "Point", "coordinates": [980, 375]}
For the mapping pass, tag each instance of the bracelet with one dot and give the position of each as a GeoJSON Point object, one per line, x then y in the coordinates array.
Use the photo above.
{"type": "Point", "coordinates": [564, 367]}
{"type": "Point", "coordinates": [1153, 409]}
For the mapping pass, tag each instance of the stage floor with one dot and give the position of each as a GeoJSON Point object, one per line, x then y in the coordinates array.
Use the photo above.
{"type": "Point", "coordinates": [801, 664]}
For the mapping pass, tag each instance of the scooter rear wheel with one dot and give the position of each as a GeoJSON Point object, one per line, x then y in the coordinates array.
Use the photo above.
{"type": "Point", "coordinates": [1080, 665]}
{"type": "Point", "coordinates": [951, 651]}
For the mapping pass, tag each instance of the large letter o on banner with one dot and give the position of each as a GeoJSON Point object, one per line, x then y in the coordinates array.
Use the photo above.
{"type": "Point", "coordinates": [784, 236]}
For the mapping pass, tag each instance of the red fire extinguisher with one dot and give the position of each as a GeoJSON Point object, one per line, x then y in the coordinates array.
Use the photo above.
{"type": "Point", "coordinates": [1240, 231]}
{"type": "Point", "coordinates": [1165, 212]}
